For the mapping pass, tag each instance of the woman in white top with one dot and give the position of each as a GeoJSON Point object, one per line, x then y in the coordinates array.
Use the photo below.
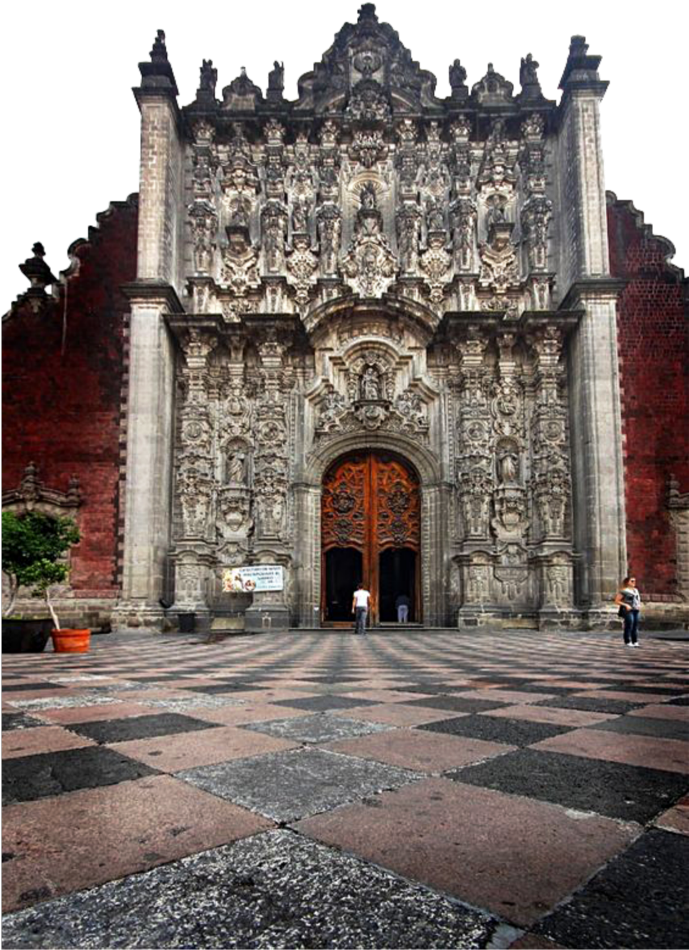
{"type": "Point", "coordinates": [629, 601]}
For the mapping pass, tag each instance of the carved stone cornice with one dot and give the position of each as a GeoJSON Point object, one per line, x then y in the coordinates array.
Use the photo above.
{"type": "Point", "coordinates": [153, 292]}
{"type": "Point", "coordinates": [32, 493]}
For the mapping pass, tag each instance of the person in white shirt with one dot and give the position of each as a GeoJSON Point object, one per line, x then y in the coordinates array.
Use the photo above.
{"type": "Point", "coordinates": [360, 604]}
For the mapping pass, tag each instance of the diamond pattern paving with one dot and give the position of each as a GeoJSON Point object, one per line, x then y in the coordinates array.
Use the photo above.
{"type": "Point", "coordinates": [431, 784]}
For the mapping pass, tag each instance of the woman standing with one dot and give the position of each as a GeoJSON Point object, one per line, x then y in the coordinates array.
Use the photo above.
{"type": "Point", "coordinates": [629, 600]}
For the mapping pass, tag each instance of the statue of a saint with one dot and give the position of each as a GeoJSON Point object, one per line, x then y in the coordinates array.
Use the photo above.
{"type": "Point", "coordinates": [236, 469]}
{"type": "Point", "coordinates": [370, 384]}
{"type": "Point", "coordinates": [276, 77]}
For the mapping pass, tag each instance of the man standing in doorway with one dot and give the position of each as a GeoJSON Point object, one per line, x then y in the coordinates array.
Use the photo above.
{"type": "Point", "coordinates": [402, 604]}
{"type": "Point", "coordinates": [360, 608]}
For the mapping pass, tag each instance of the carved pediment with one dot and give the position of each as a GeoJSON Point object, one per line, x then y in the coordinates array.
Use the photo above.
{"type": "Point", "coordinates": [366, 62]}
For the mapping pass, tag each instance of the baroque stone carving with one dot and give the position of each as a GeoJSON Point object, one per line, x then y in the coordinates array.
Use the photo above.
{"type": "Point", "coordinates": [370, 265]}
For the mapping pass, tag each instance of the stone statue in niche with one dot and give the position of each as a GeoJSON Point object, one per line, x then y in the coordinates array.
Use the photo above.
{"type": "Point", "coordinates": [509, 468]}
{"type": "Point", "coordinates": [370, 384]}
{"type": "Point", "coordinates": [236, 468]}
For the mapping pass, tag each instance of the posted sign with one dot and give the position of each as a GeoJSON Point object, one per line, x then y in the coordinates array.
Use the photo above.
{"type": "Point", "coordinates": [256, 577]}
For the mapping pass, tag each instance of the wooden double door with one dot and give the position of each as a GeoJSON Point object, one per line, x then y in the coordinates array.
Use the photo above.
{"type": "Point", "coordinates": [371, 514]}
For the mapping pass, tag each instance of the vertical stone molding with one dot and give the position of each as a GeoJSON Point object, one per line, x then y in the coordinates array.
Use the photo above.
{"type": "Point", "coordinates": [596, 427]}
{"type": "Point", "coordinates": [149, 460]}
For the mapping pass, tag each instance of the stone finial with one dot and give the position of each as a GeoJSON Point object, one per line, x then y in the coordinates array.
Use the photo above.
{"type": "Point", "coordinates": [157, 74]}
{"type": "Point", "coordinates": [581, 69]}
{"type": "Point", "coordinates": [367, 11]}
{"type": "Point", "coordinates": [37, 271]}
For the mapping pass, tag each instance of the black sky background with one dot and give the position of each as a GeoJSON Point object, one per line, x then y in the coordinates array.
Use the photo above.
{"type": "Point", "coordinates": [72, 126]}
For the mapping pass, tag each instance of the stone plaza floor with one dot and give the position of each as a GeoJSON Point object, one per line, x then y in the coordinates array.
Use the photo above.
{"type": "Point", "coordinates": [437, 789]}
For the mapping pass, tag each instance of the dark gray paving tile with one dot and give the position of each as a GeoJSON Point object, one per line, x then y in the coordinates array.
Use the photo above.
{"type": "Point", "coordinates": [593, 704]}
{"type": "Point", "coordinates": [530, 687]}
{"type": "Point", "coordinates": [641, 899]}
{"type": "Point", "coordinates": [324, 702]}
{"type": "Point", "coordinates": [275, 890]}
{"type": "Point", "coordinates": [427, 688]}
{"type": "Point", "coordinates": [510, 731]}
{"type": "Point", "coordinates": [138, 727]}
{"type": "Point", "coordinates": [317, 728]}
{"type": "Point", "coordinates": [11, 721]}
{"type": "Point", "coordinates": [456, 703]}
{"type": "Point", "coordinates": [606, 788]}
{"type": "Point", "coordinates": [21, 687]}
{"type": "Point", "coordinates": [286, 786]}
{"type": "Point", "coordinates": [52, 773]}
{"type": "Point", "coordinates": [638, 725]}
{"type": "Point", "coordinates": [224, 688]}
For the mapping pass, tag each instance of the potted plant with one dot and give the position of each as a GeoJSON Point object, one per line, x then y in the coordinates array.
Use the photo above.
{"type": "Point", "coordinates": [33, 547]}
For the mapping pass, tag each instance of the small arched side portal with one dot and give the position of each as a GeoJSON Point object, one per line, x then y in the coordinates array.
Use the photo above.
{"type": "Point", "coordinates": [370, 532]}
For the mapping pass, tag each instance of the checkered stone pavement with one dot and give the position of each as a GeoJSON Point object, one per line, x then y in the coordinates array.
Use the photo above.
{"type": "Point", "coordinates": [435, 789]}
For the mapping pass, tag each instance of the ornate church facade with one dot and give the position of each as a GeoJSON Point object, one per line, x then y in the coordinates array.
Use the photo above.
{"type": "Point", "coordinates": [370, 334]}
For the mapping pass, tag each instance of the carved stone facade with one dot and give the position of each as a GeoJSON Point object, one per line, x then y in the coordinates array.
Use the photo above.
{"type": "Point", "coordinates": [371, 267]}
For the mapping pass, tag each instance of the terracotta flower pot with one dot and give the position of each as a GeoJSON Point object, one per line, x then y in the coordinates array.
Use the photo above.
{"type": "Point", "coordinates": [71, 641]}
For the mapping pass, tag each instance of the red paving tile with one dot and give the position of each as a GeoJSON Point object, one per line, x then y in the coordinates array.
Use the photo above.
{"type": "Point", "coordinates": [558, 717]}
{"type": "Point", "coordinates": [481, 846]}
{"type": "Point", "coordinates": [72, 714]}
{"type": "Point", "coordinates": [628, 695]}
{"type": "Point", "coordinates": [679, 713]}
{"type": "Point", "coordinates": [535, 942]}
{"type": "Point", "coordinates": [421, 751]}
{"type": "Point", "coordinates": [87, 837]}
{"type": "Point", "coordinates": [187, 750]}
{"type": "Point", "coordinates": [505, 695]}
{"type": "Point", "coordinates": [650, 752]}
{"type": "Point", "coordinates": [677, 818]}
{"type": "Point", "coordinates": [33, 741]}
{"type": "Point", "coordinates": [252, 711]}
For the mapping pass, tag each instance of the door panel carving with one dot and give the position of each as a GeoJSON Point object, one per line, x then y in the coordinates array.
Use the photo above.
{"type": "Point", "coordinates": [370, 503]}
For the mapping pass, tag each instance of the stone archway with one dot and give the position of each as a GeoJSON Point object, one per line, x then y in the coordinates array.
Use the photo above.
{"type": "Point", "coordinates": [370, 532]}
{"type": "Point", "coordinates": [434, 514]}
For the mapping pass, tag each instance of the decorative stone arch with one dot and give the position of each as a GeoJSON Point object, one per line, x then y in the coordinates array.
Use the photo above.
{"type": "Point", "coordinates": [435, 522]}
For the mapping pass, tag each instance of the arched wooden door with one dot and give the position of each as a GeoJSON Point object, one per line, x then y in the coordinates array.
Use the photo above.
{"type": "Point", "coordinates": [371, 533]}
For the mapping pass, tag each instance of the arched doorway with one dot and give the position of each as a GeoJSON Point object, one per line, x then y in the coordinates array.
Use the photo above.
{"type": "Point", "coordinates": [370, 523]}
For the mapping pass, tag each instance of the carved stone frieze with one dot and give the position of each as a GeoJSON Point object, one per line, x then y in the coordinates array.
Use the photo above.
{"type": "Point", "coordinates": [302, 267]}
{"type": "Point", "coordinates": [370, 266]}
{"type": "Point", "coordinates": [239, 263]}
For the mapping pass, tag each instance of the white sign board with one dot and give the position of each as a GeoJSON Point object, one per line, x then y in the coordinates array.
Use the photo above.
{"type": "Point", "coordinates": [256, 577]}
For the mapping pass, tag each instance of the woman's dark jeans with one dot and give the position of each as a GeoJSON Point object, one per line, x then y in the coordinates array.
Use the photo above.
{"type": "Point", "coordinates": [631, 625]}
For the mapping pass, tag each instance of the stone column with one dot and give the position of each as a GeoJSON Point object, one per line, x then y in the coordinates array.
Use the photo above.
{"type": "Point", "coordinates": [307, 517]}
{"type": "Point", "coordinates": [152, 355]}
{"type": "Point", "coordinates": [598, 484]}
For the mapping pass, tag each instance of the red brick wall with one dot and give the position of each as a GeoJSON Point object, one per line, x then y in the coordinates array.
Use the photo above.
{"type": "Point", "coordinates": [61, 410]}
{"type": "Point", "coordinates": [654, 373]}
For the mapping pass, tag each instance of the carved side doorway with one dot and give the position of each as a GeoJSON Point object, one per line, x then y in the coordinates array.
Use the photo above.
{"type": "Point", "coordinates": [371, 533]}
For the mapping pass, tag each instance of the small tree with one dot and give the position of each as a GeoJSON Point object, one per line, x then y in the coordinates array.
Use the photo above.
{"type": "Point", "coordinates": [32, 547]}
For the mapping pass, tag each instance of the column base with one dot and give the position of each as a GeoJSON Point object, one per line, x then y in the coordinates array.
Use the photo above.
{"type": "Point", "coordinates": [135, 615]}
{"type": "Point", "coordinates": [267, 618]}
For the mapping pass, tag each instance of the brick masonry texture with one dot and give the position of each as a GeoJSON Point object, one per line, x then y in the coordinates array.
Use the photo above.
{"type": "Point", "coordinates": [62, 410]}
{"type": "Point", "coordinates": [654, 374]}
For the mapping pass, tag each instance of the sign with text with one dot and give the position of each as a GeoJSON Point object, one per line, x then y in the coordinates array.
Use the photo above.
{"type": "Point", "coordinates": [256, 577]}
